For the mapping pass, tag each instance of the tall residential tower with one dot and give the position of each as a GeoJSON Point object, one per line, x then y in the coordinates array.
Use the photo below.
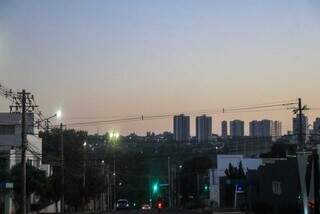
{"type": "Point", "coordinates": [203, 128]}
{"type": "Point", "coordinates": [181, 128]}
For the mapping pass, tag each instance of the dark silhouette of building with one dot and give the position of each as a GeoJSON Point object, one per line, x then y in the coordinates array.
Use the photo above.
{"type": "Point", "coordinates": [272, 189]}
{"type": "Point", "coordinates": [181, 128]}
{"type": "Point", "coordinates": [237, 128]}
{"type": "Point", "coordinates": [224, 129]}
{"type": "Point", "coordinates": [203, 128]}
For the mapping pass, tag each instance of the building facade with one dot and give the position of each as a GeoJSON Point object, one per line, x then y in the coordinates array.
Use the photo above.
{"type": "Point", "coordinates": [316, 124]}
{"type": "Point", "coordinates": [265, 128]}
{"type": "Point", "coordinates": [277, 129]}
{"type": "Point", "coordinates": [203, 128]}
{"type": "Point", "coordinates": [224, 129]}
{"type": "Point", "coordinates": [254, 128]}
{"type": "Point", "coordinates": [223, 162]}
{"type": "Point", "coordinates": [237, 128]}
{"type": "Point", "coordinates": [181, 128]}
{"type": "Point", "coordinates": [10, 149]}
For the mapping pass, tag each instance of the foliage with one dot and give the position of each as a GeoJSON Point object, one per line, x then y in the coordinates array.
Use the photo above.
{"type": "Point", "coordinates": [194, 169]}
{"type": "Point", "coordinates": [234, 172]}
{"type": "Point", "coordinates": [36, 182]}
{"type": "Point", "coordinates": [4, 168]}
{"type": "Point", "coordinates": [74, 158]}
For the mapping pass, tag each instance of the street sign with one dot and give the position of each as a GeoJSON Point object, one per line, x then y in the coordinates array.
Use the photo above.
{"type": "Point", "coordinates": [6, 185]}
{"type": "Point", "coordinates": [239, 188]}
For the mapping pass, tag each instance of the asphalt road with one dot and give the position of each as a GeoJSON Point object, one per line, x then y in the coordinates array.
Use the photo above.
{"type": "Point", "coordinates": [154, 211]}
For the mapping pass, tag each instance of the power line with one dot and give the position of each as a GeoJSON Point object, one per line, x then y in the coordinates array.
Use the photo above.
{"type": "Point", "coordinates": [164, 116]}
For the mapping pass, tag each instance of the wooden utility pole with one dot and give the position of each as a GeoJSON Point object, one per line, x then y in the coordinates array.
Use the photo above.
{"type": "Point", "coordinates": [23, 152]}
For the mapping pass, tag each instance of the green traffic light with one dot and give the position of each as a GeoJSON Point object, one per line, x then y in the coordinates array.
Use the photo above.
{"type": "Point", "coordinates": [206, 188]}
{"type": "Point", "coordinates": [155, 187]}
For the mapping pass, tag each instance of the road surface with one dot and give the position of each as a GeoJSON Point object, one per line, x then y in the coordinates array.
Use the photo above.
{"type": "Point", "coordinates": [154, 211]}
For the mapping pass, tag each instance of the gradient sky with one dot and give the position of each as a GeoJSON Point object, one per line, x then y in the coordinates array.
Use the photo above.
{"type": "Point", "coordinates": [95, 59]}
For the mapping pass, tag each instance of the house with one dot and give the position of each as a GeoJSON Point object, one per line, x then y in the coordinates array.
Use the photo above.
{"type": "Point", "coordinates": [10, 150]}
{"type": "Point", "coordinates": [275, 187]}
{"type": "Point", "coordinates": [223, 162]}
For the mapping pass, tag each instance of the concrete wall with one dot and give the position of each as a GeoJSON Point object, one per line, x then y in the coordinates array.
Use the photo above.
{"type": "Point", "coordinates": [223, 162]}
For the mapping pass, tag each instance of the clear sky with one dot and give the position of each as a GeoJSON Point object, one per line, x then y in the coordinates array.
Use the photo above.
{"type": "Point", "coordinates": [96, 59]}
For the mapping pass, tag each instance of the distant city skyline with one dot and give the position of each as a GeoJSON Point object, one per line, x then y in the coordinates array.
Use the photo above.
{"type": "Point", "coordinates": [118, 58]}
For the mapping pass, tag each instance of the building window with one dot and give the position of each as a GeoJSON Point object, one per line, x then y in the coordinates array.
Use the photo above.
{"type": "Point", "coordinates": [7, 130]}
{"type": "Point", "coordinates": [276, 187]}
{"type": "Point", "coordinates": [29, 162]}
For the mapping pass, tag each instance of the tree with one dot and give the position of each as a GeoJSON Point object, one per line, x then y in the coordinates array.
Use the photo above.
{"type": "Point", "coordinates": [234, 172]}
{"type": "Point", "coordinates": [74, 157]}
{"type": "Point", "coordinates": [193, 170]}
{"type": "Point", "coordinates": [4, 168]}
{"type": "Point", "coordinates": [36, 182]}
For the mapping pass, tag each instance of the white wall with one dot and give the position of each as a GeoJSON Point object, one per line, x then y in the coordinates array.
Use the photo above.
{"type": "Point", "coordinates": [223, 162]}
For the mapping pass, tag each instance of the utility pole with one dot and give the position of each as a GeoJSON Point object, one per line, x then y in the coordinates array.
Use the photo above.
{"type": "Point", "coordinates": [24, 101]}
{"type": "Point", "coordinates": [301, 141]}
{"type": "Point", "coordinates": [302, 133]}
{"type": "Point", "coordinates": [62, 170]}
{"type": "Point", "coordinates": [23, 152]}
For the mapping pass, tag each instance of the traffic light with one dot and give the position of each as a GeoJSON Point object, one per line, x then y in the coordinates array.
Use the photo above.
{"type": "Point", "coordinates": [159, 205]}
{"type": "Point", "coordinates": [206, 188]}
{"type": "Point", "coordinates": [155, 187]}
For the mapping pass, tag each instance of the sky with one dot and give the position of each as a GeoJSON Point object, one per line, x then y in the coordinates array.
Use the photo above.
{"type": "Point", "coordinates": [98, 59]}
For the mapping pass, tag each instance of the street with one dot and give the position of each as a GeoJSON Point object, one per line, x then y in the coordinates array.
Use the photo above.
{"type": "Point", "coordinates": [154, 211]}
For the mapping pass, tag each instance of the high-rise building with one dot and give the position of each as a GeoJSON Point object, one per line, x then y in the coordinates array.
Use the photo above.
{"type": "Point", "coordinates": [237, 128]}
{"type": "Point", "coordinates": [254, 128]}
{"type": "Point", "coordinates": [181, 128]}
{"type": "Point", "coordinates": [265, 128]}
{"type": "Point", "coordinates": [296, 125]}
{"type": "Point", "coordinates": [224, 129]}
{"type": "Point", "coordinates": [203, 128]}
{"type": "Point", "coordinates": [316, 124]}
{"type": "Point", "coordinates": [277, 128]}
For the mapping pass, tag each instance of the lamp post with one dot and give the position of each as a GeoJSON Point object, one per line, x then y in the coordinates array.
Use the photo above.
{"type": "Point", "coordinates": [102, 208]}
{"type": "Point", "coordinates": [84, 165]}
{"type": "Point", "coordinates": [114, 136]}
{"type": "Point", "coordinates": [59, 115]}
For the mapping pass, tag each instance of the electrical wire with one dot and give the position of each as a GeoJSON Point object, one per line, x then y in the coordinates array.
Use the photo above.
{"type": "Point", "coordinates": [164, 116]}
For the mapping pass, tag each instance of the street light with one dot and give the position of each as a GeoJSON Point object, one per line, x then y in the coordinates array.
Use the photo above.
{"type": "Point", "coordinates": [113, 137]}
{"type": "Point", "coordinates": [59, 114]}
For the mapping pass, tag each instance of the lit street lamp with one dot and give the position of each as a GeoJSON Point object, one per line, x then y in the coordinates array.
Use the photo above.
{"type": "Point", "coordinates": [59, 116]}
{"type": "Point", "coordinates": [84, 165]}
{"type": "Point", "coordinates": [114, 136]}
